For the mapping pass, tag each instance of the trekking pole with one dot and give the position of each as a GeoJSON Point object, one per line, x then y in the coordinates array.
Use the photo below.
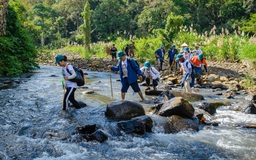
{"type": "Point", "coordinates": [110, 79]}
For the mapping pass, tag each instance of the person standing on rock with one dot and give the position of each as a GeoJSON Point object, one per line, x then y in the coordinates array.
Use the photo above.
{"type": "Point", "coordinates": [187, 71]}
{"type": "Point", "coordinates": [197, 62]}
{"type": "Point", "coordinates": [159, 53]}
{"type": "Point", "coordinates": [171, 55]}
{"type": "Point", "coordinates": [150, 74]}
{"type": "Point", "coordinates": [68, 73]}
{"type": "Point", "coordinates": [128, 70]}
{"type": "Point", "coordinates": [113, 52]}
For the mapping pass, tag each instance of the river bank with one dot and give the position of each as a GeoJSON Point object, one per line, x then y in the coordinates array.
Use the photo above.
{"type": "Point", "coordinates": [224, 75]}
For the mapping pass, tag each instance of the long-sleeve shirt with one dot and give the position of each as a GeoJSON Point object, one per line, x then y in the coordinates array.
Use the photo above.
{"type": "Point", "coordinates": [152, 72]}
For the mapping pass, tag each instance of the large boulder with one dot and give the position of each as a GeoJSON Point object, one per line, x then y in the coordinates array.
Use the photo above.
{"type": "Point", "coordinates": [177, 124]}
{"type": "Point", "coordinates": [250, 109]}
{"type": "Point", "coordinates": [124, 110]}
{"type": "Point", "coordinates": [138, 125]}
{"type": "Point", "coordinates": [188, 96]}
{"type": "Point", "coordinates": [174, 93]}
{"type": "Point", "coordinates": [177, 106]}
{"type": "Point", "coordinates": [208, 107]}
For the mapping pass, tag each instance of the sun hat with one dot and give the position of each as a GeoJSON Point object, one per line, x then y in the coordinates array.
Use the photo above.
{"type": "Point", "coordinates": [184, 45]}
{"type": "Point", "coordinates": [200, 56]}
{"type": "Point", "coordinates": [162, 45]}
{"type": "Point", "coordinates": [58, 58]}
{"type": "Point", "coordinates": [173, 46]}
{"type": "Point", "coordinates": [147, 64]}
{"type": "Point", "coordinates": [179, 56]}
{"type": "Point", "coordinates": [120, 54]}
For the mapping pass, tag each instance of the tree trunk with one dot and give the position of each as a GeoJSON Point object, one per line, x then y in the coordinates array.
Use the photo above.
{"type": "Point", "coordinates": [3, 12]}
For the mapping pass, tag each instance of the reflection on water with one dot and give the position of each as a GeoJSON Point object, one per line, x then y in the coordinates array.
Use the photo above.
{"type": "Point", "coordinates": [33, 126]}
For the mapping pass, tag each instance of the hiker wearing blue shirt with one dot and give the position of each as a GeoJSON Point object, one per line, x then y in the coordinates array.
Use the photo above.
{"type": "Point", "coordinates": [171, 54]}
{"type": "Point", "coordinates": [159, 53]}
{"type": "Point", "coordinates": [128, 70]}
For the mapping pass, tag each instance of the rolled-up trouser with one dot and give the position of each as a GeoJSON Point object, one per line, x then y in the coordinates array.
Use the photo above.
{"type": "Point", "coordinates": [70, 96]}
{"type": "Point", "coordinates": [155, 83]}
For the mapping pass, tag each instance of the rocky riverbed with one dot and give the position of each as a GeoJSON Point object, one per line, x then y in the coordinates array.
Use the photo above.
{"type": "Point", "coordinates": [221, 75]}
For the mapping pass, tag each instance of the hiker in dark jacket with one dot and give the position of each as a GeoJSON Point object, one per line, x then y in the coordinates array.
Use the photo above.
{"type": "Point", "coordinates": [159, 53]}
{"type": "Point", "coordinates": [171, 55]}
{"type": "Point", "coordinates": [128, 70]}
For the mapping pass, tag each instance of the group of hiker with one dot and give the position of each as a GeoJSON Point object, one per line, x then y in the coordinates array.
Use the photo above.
{"type": "Point", "coordinates": [189, 62]}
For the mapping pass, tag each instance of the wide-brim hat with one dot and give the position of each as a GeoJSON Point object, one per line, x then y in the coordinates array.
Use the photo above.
{"type": "Point", "coordinates": [184, 45]}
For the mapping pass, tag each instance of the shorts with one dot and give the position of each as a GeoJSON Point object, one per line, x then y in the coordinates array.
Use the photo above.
{"type": "Point", "coordinates": [126, 85]}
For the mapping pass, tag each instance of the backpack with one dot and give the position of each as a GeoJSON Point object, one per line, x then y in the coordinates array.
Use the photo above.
{"type": "Point", "coordinates": [195, 72]}
{"type": "Point", "coordinates": [79, 79]}
{"type": "Point", "coordinates": [129, 61]}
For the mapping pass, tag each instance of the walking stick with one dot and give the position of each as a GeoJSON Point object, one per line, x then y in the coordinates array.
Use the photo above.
{"type": "Point", "coordinates": [110, 79]}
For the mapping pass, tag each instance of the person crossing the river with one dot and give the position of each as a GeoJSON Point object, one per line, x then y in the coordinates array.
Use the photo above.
{"type": "Point", "coordinates": [68, 73]}
{"type": "Point", "coordinates": [187, 71]}
{"type": "Point", "coordinates": [150, 74]}
{"type": "Point", "coordinates": [128, 70]}
{"type": "Point", "coordinates": [198, 62]}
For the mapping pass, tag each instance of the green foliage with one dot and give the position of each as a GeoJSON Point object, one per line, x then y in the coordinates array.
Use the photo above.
{"type": "Point", "coordinates": [249, 82]}
{"type": "Point", "coordinates": [250, 25]}
{"type": "Point", "coordinates": [247, 51]}
{"type": "Point", "coordinates": [86, 27]}
{"type": "Point", "coordinates": [18, 53]}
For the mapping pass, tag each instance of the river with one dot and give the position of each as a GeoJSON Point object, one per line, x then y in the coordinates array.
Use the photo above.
{"type": "Point", "coordinates": [34, 127]}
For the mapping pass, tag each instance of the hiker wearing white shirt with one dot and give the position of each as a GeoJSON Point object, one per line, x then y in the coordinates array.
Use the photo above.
{"type": "Point", "coordinates": [150, 74]}
{"type": "Point", "coordinates": [197, 51]}
{"type": "Point", "coordinates": [187, 71]}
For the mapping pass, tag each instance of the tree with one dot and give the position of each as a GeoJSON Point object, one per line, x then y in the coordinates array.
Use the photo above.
{"type": "Point", "coordinates": [250, 26]}
{"type": "Point", "coordinates": [3, 11]}
{"type": "Point", "coordinates": [43, 19]}
{"type": "Point", "coordinates": [86, 27]}
{"type": "Point", "coordinates": [109, 20]}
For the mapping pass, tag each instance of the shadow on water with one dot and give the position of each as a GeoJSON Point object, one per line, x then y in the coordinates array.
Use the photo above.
{"type": "Point", "coordinates": [34, 127]}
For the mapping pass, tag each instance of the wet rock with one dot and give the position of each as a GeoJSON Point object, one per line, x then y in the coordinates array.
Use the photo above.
{"type": "Point", "coordinates": [124, 110]}
{"type": "Point", "coordinates": [138, 125]}
{"type": "Point", "coordinates": [99, 135]}
{"type": "Point", "coordinates": [173, 80]}
{"type": "Point", "coordinates": [167, 94]}
{"type": "Point", "coordinates": [91, 132]}
{"type": "Point", "coordinates": [217, 84]}
{"type": "Point", "coordinates": [250, 126]}
{"type": "Point", "coordinates": [155, 108]}
{"type": "Point", "coordinates": [213, 77]}
{"type": "Point", "coordinates": [177, 124]}
{"type": "Point", "coordinates": [153, 92]}
{"type": "Point", "coordinates": [146, 120]}
{"type": "Point", "coordinates": [177, 106]}
{"type": "Point", "coordinates": [208, 107]}
{"type": "Point", "coordinates": [217, 104]}
{"type": "Point", "coordinates": [188, 96]}
{"type": "Point", "coordinates": [250, 109]}
{"type": "Point", "coordinates": [88, 92]}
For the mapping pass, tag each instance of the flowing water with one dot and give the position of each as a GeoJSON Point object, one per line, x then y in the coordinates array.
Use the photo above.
{"type": "Point", "coordinates": [33, 126]}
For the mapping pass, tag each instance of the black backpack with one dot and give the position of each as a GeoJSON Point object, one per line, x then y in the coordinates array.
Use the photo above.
{"type": "Point", "coordinates": [79, 79]}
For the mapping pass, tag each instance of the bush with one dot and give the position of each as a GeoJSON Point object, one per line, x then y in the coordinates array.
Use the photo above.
{"type": "Point", "coordinates": [18, 54]}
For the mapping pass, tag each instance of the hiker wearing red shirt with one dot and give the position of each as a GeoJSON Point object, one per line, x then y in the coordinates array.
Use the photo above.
{"type": "Point", "coordinates": [197, 62]}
